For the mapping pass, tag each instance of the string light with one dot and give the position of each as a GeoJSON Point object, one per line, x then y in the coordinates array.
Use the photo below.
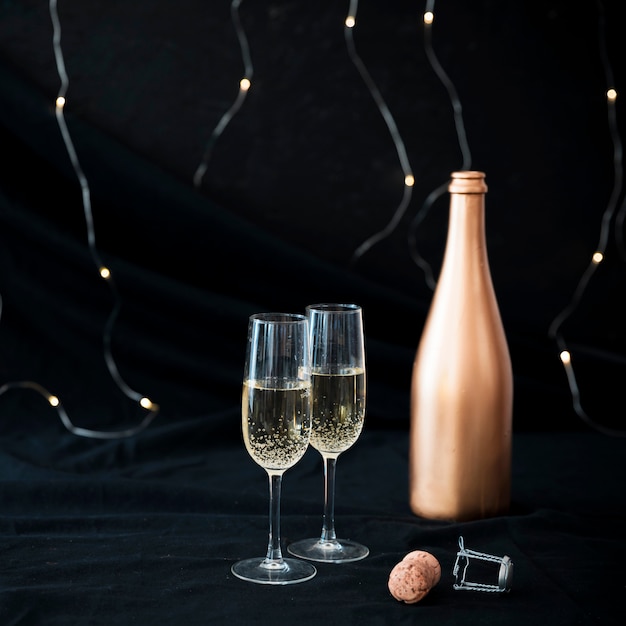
{"type": "Point", "coordinates": [620, 218]}
{"type": "Point", "coordinates": [554, 331]}
{"type": "Point", "coordinates": [409, 181]}
{"type": "Point", "coordinates": [244, 86]}
{"type": "Point", "coordinates": [104, 271]}
{"type": "Point", "coordinates": [435, 194]}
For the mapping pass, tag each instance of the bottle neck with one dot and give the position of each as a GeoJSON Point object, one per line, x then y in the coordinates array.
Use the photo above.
{"type": "Point", "coordinates": [465, 244]}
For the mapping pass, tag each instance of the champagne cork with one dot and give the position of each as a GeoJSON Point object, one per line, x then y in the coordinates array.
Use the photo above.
{"type": "Point", "coordinates": [412, 578]}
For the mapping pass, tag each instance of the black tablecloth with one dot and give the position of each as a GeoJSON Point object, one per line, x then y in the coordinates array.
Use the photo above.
{"type": "Point", "coordinates": [144, 531]}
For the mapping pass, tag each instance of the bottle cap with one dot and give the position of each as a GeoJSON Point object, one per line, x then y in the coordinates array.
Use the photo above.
{"type": "Point", "coordinates": [469, 181]}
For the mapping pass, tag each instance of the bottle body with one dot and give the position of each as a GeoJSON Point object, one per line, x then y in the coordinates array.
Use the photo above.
{"type": "Point", "coordinates": [462, 383]}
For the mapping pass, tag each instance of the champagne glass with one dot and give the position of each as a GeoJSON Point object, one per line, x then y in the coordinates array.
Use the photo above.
{"type": "Point", "coordinates": [276, 425]}
{"type": "Point", "coordinates": [338, 411]}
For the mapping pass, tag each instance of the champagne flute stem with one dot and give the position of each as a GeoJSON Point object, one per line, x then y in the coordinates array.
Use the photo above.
{"type": "Point", "coordinates": [274, 557]}
{"type": "Point", "coordinates": [328, 525]}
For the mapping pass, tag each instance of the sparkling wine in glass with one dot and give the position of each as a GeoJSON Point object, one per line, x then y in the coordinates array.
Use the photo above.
{"type": "Point", "coordinates": [276, 425]}
{"type": "Point", "coordinates": [338, 411]}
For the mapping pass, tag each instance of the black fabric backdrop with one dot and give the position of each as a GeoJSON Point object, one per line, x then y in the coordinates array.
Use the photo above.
{"type": "Point", "coordinates": [144, 529]}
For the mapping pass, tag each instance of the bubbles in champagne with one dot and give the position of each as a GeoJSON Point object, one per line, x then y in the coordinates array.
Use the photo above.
{"type": "Point", "coordinates": [276, 423]}
{"type": "Point", "coordinates": [338, 408]}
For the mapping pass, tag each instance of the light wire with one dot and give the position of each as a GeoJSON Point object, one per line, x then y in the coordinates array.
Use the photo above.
{"type": "Point", "coordinates": [554, 331]}
{"type": "Point", "coordinates": [393, 130]}
{"type": "Point", "coordinates": [244, 86]}
{"type": "Point", "coordinates": [105, 273]}
{"type": "Point", "coordinates": [457, 109]}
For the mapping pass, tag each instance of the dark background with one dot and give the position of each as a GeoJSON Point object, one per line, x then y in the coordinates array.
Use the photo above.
{"type": "Point", "coordinates": [303, 174]}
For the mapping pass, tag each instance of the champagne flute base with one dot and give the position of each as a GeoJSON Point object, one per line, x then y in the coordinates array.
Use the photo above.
{"type": "Point", "coordinates": [337, 551]}
{"type": "Point", "coordinates": [286, 572]}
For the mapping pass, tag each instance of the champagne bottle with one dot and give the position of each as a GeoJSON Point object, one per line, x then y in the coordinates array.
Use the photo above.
{"type": "Point", "coordinates": [462, 384]}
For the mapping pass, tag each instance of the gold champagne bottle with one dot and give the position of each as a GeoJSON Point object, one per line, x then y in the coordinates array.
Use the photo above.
{"type": "Point", "coordinates": [462, 385]}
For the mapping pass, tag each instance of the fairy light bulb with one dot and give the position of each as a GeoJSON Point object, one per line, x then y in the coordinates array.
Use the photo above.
{"type": "Point", "coordinates": [60, 102]}
{"type": "Point", "coordinates": [244, 84]}
{"type": "Point", "coordinates": [146, 403]}
{"type": "Point", "coordinates": [429, 16]}
{"type": "Point", "coordinates": [409, 180]}
{"type": "Point", "coordinates": [611, 95]}
{"type": "Point", "coordinates": [105, 272]}
{"type": "Point", "coordinates": [597, 257]}
{"type": "Point", "coordinates": [566, 357]}
{"type": "Point", "coordinates": [350, 21]}
{"type": "Point", "coordinates": [53, 400]}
